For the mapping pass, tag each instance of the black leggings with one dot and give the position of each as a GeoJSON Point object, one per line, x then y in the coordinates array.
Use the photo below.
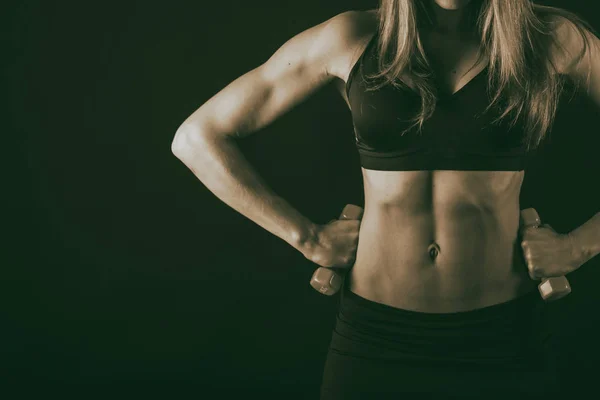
{"type": "Point", "coordinates": [378, 351]}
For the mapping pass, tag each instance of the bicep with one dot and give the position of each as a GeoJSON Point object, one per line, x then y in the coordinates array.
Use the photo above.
{"type": "Point", "coordinates": [295, 70]}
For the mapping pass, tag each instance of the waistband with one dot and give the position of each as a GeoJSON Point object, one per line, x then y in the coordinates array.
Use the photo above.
{"type": "Point", "coordinates": [523, 307]}
{"type": "Point", "coordinates": [508, 335]}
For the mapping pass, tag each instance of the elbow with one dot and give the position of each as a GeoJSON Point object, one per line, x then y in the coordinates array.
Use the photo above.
{"type": "Point", "coordinates": [184, 139]}
{"type": "Point", "coordinates": [190, 138]}
{"type": "Point", "coordinates": [176, 147]}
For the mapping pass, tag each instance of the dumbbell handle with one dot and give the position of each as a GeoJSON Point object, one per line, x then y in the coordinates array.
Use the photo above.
{"type": "Point", "coordinates": [550, 288]}
{"type": "Point", "coordinates": [327, 280]}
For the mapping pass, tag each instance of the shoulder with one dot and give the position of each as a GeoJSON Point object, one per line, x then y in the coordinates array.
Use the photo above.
{"type": "Point", "coordinates": [353, 24]}
{"type": "Point", "coordinates": [573, 45]}
{"type": "Point", "coordinates": [345, 36]}
{"type": "Point", "coordinates": [322, 51]}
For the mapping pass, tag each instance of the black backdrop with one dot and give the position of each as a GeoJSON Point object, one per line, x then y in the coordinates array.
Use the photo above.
{"type": "Point", "coordinates": [121, 268]}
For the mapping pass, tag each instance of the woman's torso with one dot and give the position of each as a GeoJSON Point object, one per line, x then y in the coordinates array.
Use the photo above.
{"type": "Point", "coordinates": [471, 216]}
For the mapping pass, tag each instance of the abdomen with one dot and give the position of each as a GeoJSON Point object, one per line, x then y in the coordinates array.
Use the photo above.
{"type": "Point", "coordinates": [472, 217]}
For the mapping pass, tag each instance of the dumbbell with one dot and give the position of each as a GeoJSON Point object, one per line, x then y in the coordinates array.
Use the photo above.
{"type": "Point", "coordinates": [327, 280]}
{"type": "Point", "coordinates": [550, 288]}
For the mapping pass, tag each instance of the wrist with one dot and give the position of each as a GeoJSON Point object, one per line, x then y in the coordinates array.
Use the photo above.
{"type": "Point", "coordinates": [305, 238]}
{"type": "Point", "coordinates": [580, 251]}
{"type": "Point", "coordinates": [586, 239]}
{"type": "Point", "coordinates": [576, 251]}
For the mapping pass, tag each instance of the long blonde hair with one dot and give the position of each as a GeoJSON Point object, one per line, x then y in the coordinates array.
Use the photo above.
{"type": "Point", "coordinates": [516, 37]}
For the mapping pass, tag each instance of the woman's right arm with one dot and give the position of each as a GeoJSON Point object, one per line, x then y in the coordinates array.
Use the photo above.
{"type": "Point", "coordinates": [206, 141]}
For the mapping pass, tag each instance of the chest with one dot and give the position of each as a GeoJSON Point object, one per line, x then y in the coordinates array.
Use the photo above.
{"type": "Point", "coordinates": [454, 61]}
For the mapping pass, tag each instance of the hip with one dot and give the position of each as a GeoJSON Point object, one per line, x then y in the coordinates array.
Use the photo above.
{"type": "Point", "coordinates": [402, 351]}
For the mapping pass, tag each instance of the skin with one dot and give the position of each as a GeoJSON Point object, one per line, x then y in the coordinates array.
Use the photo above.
{"type": "Point", "coordinates": [471, 217]}
{"type": "Point", "coordinates": [448, 14]}
{"type": "Point", "coordinates": [451, 5]}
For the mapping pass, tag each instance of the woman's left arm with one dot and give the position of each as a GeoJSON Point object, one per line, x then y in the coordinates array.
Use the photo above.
{"type": "Point", "coordinates": [580, 60]}
{"type": "Point", "coordinates": [584, 70]}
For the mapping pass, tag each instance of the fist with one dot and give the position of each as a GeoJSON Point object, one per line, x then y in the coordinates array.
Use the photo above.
{"type": "Point", "coordinates": [548, 253]}
{"type": "Point", "coordinates": [335, 244]}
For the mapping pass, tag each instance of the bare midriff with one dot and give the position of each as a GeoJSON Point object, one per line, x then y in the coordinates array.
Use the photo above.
{"type": "Point", "coordinates": [440, 241]}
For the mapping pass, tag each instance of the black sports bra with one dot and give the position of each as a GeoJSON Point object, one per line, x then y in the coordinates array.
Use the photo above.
{"type": "Point", "coordinates": [458, 136]}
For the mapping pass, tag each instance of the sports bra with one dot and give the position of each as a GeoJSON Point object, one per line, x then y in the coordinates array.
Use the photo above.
{"type": "Point", "coordinates": [459, 135]}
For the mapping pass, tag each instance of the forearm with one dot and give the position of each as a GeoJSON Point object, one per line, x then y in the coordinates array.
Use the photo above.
{"type": "Point", "coordinates": [222, 168]}
{"type": "Point", "coordinates": [586, 238]}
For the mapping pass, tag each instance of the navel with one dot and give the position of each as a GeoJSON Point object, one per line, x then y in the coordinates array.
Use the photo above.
{"type": "Point", "coordinates": [433, 250]}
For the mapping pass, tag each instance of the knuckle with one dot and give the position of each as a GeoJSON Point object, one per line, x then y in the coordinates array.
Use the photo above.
{"type": "Point", "coordinates": [322, 259]}
{"type": "Point", "coordinates": [533, 271]}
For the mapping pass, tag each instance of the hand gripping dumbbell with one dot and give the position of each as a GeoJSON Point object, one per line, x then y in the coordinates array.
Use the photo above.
{"type": "Point", "coordinates": [552, 288]}
{"type": "Point", "coordinates": [327, 280]}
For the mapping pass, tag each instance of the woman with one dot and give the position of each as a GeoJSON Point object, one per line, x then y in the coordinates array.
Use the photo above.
{"type": "Point", "coordinates": [449, 99]}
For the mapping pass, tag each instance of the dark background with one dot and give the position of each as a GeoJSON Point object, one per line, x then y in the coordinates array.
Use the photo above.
{"type": "Point", "coordinates": [122, 270]}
